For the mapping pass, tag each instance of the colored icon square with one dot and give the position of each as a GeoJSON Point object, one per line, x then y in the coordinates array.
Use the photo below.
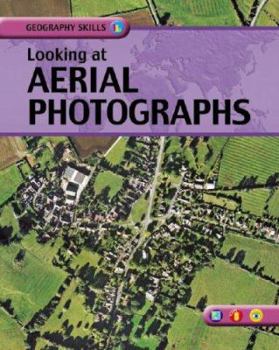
{"type": "Point", "coordinates": [216, 316]}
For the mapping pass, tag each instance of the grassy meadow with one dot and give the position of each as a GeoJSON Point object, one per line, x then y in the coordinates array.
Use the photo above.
{"type": "Point", "coordinates": [95, 8]}
{"type": "Point", "coordinates": [229, 284]}
{"type": "Point", "coordinates": [108, 179]}
{"type": "Point", "coordinates": [10, 179]}
{"type": "Point", "coordinates": [30, 284]}
{"type": "Point", "coordinates": [188, 331]}
{"type": "Point", "coordinates": [255, 251]}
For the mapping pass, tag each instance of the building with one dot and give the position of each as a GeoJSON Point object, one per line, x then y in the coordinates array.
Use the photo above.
{"type": "Point", "coordinates": [74, 182]}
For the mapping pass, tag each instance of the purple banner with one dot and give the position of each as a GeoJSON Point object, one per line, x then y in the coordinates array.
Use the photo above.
{"type": "Point", "coordinates": [63, 27]}
{"type": "Point", "coordinates": [241, 315]}
{"type": "Point", "coordinates": [184, 82]}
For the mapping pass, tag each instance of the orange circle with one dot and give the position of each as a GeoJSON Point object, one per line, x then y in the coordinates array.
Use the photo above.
{"type": "Point", "coordinates": [256, 315]}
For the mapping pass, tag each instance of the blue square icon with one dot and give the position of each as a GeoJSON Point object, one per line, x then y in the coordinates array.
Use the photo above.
{"type": "Point", "coordinates": [216, 315]}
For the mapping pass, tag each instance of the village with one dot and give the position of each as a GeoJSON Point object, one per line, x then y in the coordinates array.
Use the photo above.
{"type": "Point", "coordinates": [143, 260]}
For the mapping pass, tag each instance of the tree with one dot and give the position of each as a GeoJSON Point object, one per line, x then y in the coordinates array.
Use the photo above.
{"type": "Point", "coordinates": [239, 258]}
{"type": "Point", "coordinates": [201, 305]}
{"type": "Point", "coordinates": [5, 234]}
{"type": "Point", "coordinates": [20, 256]}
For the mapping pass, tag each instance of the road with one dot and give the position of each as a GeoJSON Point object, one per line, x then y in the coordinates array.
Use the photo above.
{"type": "Point", "coordinates": [259, 9]}
{"type": "Point", "coordinates": [175, 196]}
{"type": "Point", "coordinates": [154, 12]}
{"type": "Point", "coordinates": [142, 240]}
{"type": "Point", "coordinates": [154, 184]}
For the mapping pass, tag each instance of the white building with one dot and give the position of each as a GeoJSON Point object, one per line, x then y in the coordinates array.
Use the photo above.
{"type": "Point", "coordinates": [74, 182]}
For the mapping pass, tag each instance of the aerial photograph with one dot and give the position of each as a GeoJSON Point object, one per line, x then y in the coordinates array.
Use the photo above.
{"type": "Point", "coordinates": [120, 243]}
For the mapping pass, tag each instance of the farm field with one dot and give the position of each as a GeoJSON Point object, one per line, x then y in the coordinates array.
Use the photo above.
{"type": "Point", "coordinates": [36, 8]}
{"type": "Point", "coordinates": [139, 18]}
{"type": "Point", "coordinates": [85, 146]}
{"type": "Point", "coordinates": [198, 12]}
{"type": "Point", "coordinates": [273, 207]}
{"type": "Point", "coordinates": [252, 201]}
{"type": "Point", "coordinates": [229, 284]}
{"type": "Point", "coordinates": [12, 150]}
{"type": "Point", "coordinates": [10, 179]}
{"type": "Point", "coordinates": [255, 251]}
{"type": "Point", "coordinates": [265, 20]}
{"type": "Point", "coordinates": [254, 158]}
{"type": "Point", "coordinates": [115, 156]}
{"type": "Point", "coordinates": [11, 335]}
{"type": "Point", "coordinates": [270, 14]}
{"type": "Point", "coordinates": [108, 179]}
{"type": "Point", "coordinates": [30, 284]}
{"type": "Point", "coordinates": [245, 7]}
{"type": "Point", "coordinates": [104, 7]}
{"type": "Point", "coordinates": [188, 331]}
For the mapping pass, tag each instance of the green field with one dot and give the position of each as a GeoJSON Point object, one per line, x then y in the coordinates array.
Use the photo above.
{"type": "Point", "coordinates": [247, 157]}
{"type": "Point", "coordinates": [245, 6]}
{"type": "Point", "coordinates": [25, 169]}
{"type": "Point", "coordinates": [253, 201]}
{"type": "Point", "coordinates": [116, 155]}
{"type": "Point", "coordinates": [139, 209]}
{"type": "Point", "coordinates": [198, 12]}
{"type": "Point", "coordinates": [10, 179]}
{"type": "Point", "coordinates": [228, 284]}
{"type": "Point", "coordinates": [104, 7]}
{"type": "Point", "coordinates": [86, 257]}
{"type": "Point", "coordinates": [12, 337]}
{"type": "Point", "coordinates": [45, 158]}
{"type": "Point", "coordinates": [145, 341]}
{"type": "Point", "coordinates": [207, 153]}
{"type": "Point", "coordinates": [270, 14]}
{"type": "Point", "coordinates": [266, 253]}
{"type": "Point", "coordinates": [266, 342]}
{"type": "Point", "coordinates": [265, 20]}
{"type": "Point", "coordinates": [76, 314]}
{"type": "Point", "coordinates": [108, 179]}
{"type": "Point", "coordinates": [220, 201]}
{"type": "Point", "coordinates": [52, 140]}
{"type": "Point", "coordinates": [29, 284]}
{"type": "Point", "coordinates": [44, 252]}
{"type": "Point", "coordinates": [7, 218]}
{"type": "Point", "coordinates": [188, 331]}
{"type": "Point", "coordinates": [273, 204]}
